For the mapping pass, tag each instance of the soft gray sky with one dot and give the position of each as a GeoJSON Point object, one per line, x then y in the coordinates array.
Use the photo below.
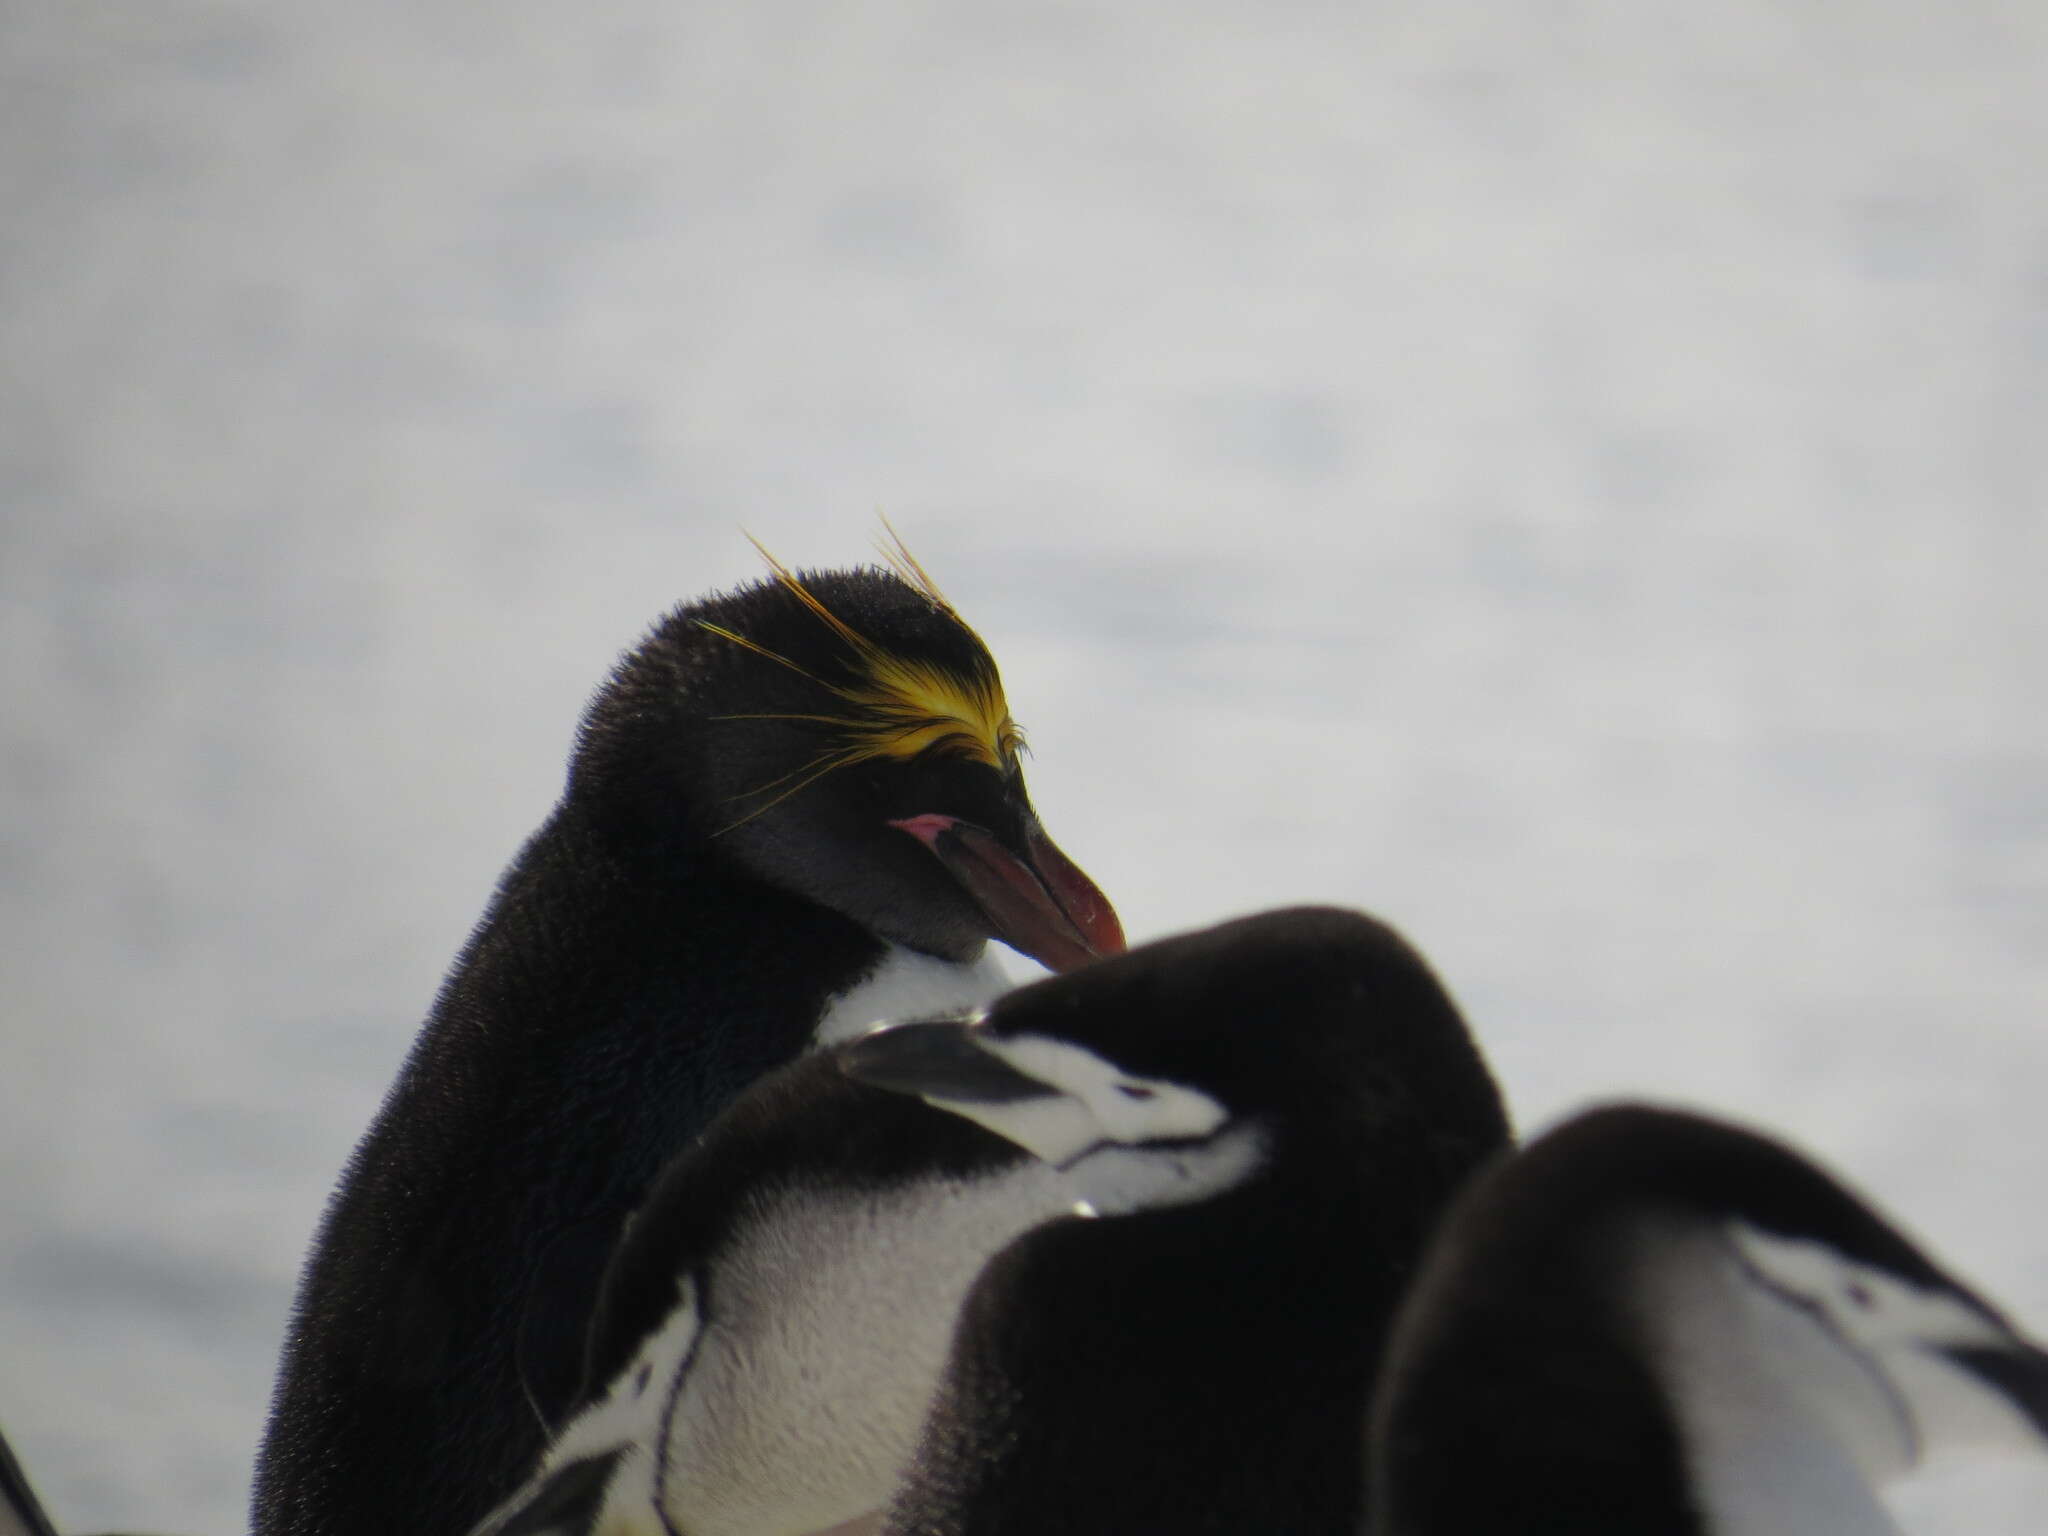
{"type": "Point", "coordinates": [1569, 478]}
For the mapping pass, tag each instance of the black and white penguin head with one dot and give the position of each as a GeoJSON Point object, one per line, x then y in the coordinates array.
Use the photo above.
{"type": "Point", "coordinates": [1163, 1076]}
{"type": "Point", "coordinates": [1772, 1305]}
{"type": "Point", "coordinates": [1901, 1362]}
{"type": "Point", "coordinates": [1756, 1277]}
{"type": "Point", "coordinates": [843, 735]}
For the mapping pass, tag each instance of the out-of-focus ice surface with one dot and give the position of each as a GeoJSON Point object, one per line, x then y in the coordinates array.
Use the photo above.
{"type": "Point", "coordinates": [1570, 478]}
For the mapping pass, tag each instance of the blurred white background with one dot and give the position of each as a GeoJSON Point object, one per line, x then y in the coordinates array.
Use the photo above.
{"type": "Point", "coordinates": [1567, 477]}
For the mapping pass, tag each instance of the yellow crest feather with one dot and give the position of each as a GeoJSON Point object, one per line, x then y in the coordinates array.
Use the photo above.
{"type": "Point", "coordinates": [909, 569]}
{"type": "Point", "coordinates": [899, 707]}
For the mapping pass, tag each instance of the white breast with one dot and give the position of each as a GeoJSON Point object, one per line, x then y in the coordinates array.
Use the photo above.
{"type": "Point", "coordinates": [907, 985]}
{"type": "Point", "coordinates": [822, 1342]}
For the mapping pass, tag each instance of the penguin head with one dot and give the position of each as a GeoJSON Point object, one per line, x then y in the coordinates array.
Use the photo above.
{"type": "Point", "coordinates": [842, 735]}
{"type": "Point", "coordinates": [1183, 1068]}
{"type": "Point", "coordinates": [1746, 1274]}
{"type": "Point", "coordinates": [1901, 1360]}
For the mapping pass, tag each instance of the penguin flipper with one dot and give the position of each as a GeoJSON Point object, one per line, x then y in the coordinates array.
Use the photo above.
{"type": "Point", "coordinates": [21, 1512]}
{"type": "Point", "coordinates": [568, 1503]}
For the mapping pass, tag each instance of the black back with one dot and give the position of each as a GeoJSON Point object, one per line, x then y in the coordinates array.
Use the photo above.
{"type": "Point", "coordinates": [1206, 1368]}
{"type": "Point", "coordinates": [633, 972]}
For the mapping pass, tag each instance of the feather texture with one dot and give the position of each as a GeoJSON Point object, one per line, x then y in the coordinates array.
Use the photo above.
{"type": "Point", "coordinates": [895, 707]}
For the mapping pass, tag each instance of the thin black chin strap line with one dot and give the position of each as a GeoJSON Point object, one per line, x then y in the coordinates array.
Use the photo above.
{"type": "Point", "coordinates": [1909, 1428]}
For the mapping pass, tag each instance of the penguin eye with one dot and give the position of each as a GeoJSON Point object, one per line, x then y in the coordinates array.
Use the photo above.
{"type": "Point", "coordinates": [1136, 1091]}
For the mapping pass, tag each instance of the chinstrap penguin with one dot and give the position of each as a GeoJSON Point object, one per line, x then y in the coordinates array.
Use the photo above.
{"type": "Point", "coordinates": [1648, 1323]}
{"type": "Point", "coordinates": [794, 809]}
{"type": "Point", "coordinates": [775, 1317]}
{"type": "Point", "coordinates": [1266, 1119]}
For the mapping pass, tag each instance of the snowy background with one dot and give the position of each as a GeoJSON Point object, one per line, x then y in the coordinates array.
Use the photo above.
{"type": "Point", "coordinates": [1572, 478]}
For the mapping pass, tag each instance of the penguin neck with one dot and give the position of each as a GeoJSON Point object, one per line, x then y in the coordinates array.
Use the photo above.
{"type": "Point", "coordinates": [666, 968]}
{"type": "Point", "coordinates": [906, 984]}
{"type": "Point", "coordinates": [655, 981]}
{"type": "Point", "coordinates": [1768, 1405]}
{"type": "Point", "coordinates": [673, 910]}
{"type": "Point", "coordinates": [862, 977]}
{"type": "Point", "coordinates": [1105, 1372]}
{"type": "Point", "coordinates": [1478, 1429]}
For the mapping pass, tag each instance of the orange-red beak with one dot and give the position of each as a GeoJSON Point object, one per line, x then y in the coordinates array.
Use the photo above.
{"type": "Point", "coordinates": [1039, 904]}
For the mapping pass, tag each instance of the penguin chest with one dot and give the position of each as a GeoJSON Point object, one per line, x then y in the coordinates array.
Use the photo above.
{"type": "Point", "coordinates": [904, 984]}
{"type": "Point", "coordinates": [823, 1338]}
